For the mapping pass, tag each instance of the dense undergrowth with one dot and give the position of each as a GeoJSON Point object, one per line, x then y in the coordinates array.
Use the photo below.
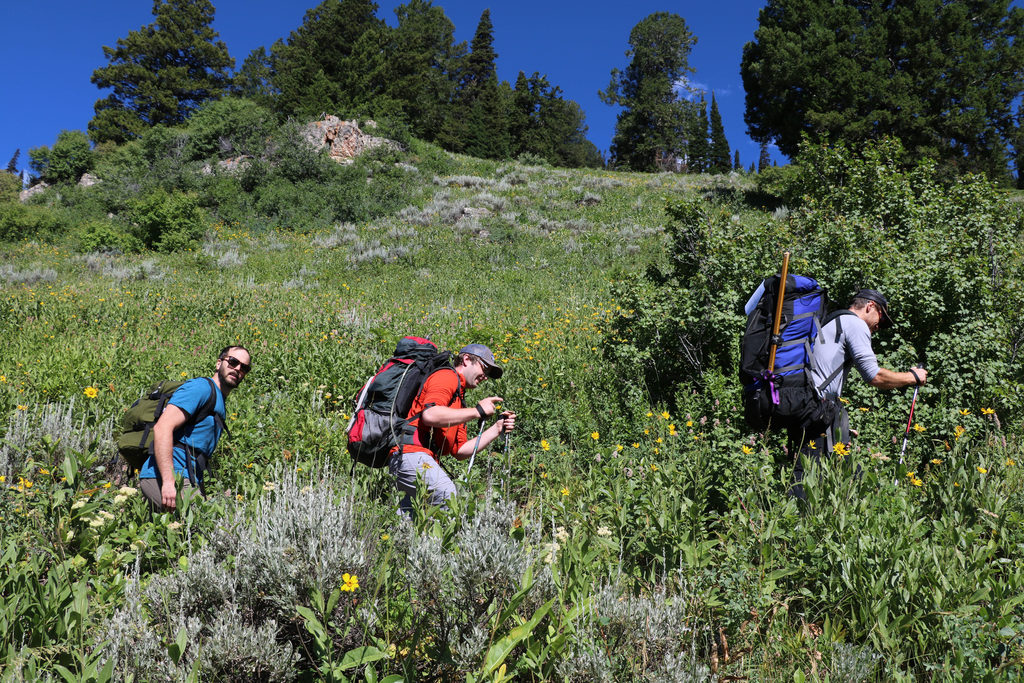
{"type": "Point", "coordinates": [631, 529]}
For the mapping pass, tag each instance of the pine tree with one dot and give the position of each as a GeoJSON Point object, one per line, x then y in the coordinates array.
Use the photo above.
{"type": "Point", "coordinates": [765, 160]}
{"type": "Point", "coordinates": [161, 72]}
{"type": "Point", "coordinates": [12, 165]}
{"type": "Point", "coordinates": [478, 120]}
{"type": "Point", "coordinates": [420, 68]}
{"type": "Point", "coordinates": [654, 121]}
{"type": "Point", "coordinates": [698, 159]}
{"type": "Point", "coordinates": [941, 75]}
{"type": "Point", "coordinates": [736, 165]}
{"type": "Point", "coordinates": [325, 63]}
{"type": "Point", "coordinates": [719, 152]}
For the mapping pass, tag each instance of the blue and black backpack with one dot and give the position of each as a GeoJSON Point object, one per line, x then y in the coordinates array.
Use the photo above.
{"type": "Point", "coordinates": [786, 396]}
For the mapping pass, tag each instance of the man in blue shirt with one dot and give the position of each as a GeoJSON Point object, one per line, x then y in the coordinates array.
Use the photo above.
{"type": "Point", "coordinates": [183, 449]}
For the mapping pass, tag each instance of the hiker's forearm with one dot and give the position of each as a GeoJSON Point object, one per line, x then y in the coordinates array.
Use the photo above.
{"type": "Point", "coordinates": [887, 379]}
{"type": "Point", "coordinates": [489, 435]}
{"type": "Point", "coordinates": [163, 451]}
{"type": "Point", "coordinates": [443, 416]}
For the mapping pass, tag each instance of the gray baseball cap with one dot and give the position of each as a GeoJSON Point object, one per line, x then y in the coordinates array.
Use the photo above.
{"type": "Point", "coordinates": [878, 298]}
{"type": "Point", "coordinates": [494, 371]}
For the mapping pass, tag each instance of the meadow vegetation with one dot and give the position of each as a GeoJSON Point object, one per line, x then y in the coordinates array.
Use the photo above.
{"type": "Point", "coordinates": [631, 529]}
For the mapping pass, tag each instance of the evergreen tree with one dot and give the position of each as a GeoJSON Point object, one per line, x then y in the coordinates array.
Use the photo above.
{"type": "Point", "coordinates": [699, 151]}
{"type": "Point", "coordinates": [653, 123]}
{"type": "Point", "coordinates": [941, 75]}
{"type": "Point", "coordinates": [481, 65]}
{"type": "Point", "coordinates": [12, 165]}
{"type": "Point", "coordinates": [325, 63]}
{"type": "Point", "coordinates": [160, 73]}
{"type": "Point", "coordinates": [736, 165]}
{"type": "Point", "coordinates": [478, 123]}
{"type": "Point", "coordinates": [419, 71]}
{"type": "Point", "coordinates": [751, 169]}
{"type": "Point", "coordinates": [719, 152]}
{"type": "Point", "coordinates": [541, 122]}
{"type": "Point", "coordinates": [764, 160]}
{"type": "Point", "coordinates": [254, 79]}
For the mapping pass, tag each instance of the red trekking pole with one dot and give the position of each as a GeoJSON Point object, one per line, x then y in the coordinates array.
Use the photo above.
{"type": "Point", "coordinates": [910, 420]}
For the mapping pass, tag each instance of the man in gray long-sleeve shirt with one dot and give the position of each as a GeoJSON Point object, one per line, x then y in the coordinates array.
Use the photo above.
{"type": "Point", "coordinates": [845, 342]}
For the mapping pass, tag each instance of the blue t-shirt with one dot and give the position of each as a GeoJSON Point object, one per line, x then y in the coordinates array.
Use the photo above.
{"type": "Point", "coordinates": [201, 437]}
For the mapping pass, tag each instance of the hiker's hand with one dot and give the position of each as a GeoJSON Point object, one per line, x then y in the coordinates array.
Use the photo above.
{"type": "Point", "coordinates": [168, 494]}
{"type": "Point", "coordinates": [507, 421]}
{"type": "Point", "coordinates": [922, 375]}
{"type": "Point", "coordinates": [488, 405]}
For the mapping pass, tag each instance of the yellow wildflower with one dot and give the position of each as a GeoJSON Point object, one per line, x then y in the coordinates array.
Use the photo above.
{"type": "Point", "coordinates": [965, 412]}
{"type": "Point", "coordinates": [91, 392]}
{"type": "Point", "coordinates": [565, 491]}
{"type": "Point", "coordinates": [936, 461]}
{"type": "Point", "coordinates": [349, 582]}
{"type": "Point", "coordinates": [664, 415]}
{"type": "Point", "coordinates": [918, 428]}
{"type": "Point", "coordinates": [959, 431]}
{"type": "Point", "coordinates": [595, 435]}
{"type": "Point", "coordinates": [1010, 462]}
{"type": "Point", "coordinates": [747, 450]}
{"type": "Point", "coordinates": [544, 445]}
{"type": "Point", "coordinates": [636, 444]}
{"type": "Point", "coordinates": [916, 482]}
{"type": "Point", "coordinates": [987, 411]}
{"type": "Point", "coordinates": [982, 469]}
{"type": "Point", "coordinates": [810, 444]}
{"type": "Point", "coordinates": [841, 449]}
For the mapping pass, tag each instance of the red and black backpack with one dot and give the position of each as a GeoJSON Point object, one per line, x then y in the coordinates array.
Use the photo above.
{"type": "Point", "coordinates": [380, 419]}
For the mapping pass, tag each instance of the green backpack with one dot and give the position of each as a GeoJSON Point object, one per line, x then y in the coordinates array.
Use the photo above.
{"type": "Point", "coordinates": [135, 437]}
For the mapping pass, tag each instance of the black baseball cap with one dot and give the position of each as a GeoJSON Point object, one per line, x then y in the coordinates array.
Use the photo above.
{"type": "Point", "coordinates": [883, 303]}
{"type": "Point", "coordinates": [494, 371]}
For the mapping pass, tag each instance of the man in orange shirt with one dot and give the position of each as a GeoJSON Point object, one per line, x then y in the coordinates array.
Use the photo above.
{"type": "Point", "coordinates": [440, 418]}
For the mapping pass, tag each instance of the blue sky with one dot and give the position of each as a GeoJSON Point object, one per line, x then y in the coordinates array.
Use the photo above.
{"type": "Point", "coordinates": [49, 49]}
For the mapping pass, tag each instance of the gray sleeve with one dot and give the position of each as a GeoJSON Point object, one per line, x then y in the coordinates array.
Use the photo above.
{"type": "Point", "coordinates": [858, 347]}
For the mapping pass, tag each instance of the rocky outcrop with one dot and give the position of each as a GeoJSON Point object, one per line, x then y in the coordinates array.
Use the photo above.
{"type": "Point", "coordinates": [88, 180]}
{"type": "Point", "coordinates": [25, 195]}
{"type": "Point", "coordinates": [232, 165]}
{"type": "Point", "coordinates": [344, 139]}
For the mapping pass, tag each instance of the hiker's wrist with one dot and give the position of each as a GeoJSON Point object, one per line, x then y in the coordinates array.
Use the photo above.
{"type": "Point", "coordinates": [917, 378]}
{"type": "Point", "coordinates": [481, 411]}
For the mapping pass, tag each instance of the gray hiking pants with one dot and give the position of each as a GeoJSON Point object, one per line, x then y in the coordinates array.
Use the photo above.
{"type": "Point", "coordinates": [407, 467]}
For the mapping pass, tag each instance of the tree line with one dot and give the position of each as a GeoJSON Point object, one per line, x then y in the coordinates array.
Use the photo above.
{"type": "Point", "coordinates": [343, 60]}
{"type": "Point", "coordinates": [942, 76]}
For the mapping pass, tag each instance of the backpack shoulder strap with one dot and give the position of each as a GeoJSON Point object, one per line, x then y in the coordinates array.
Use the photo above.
{"type": "Point", "coordinates": [460, 391]}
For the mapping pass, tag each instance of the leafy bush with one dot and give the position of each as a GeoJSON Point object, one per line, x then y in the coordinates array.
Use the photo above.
{"type": "Point", "coordinates": [167, 222]}
{"type": "Point", "coordinates": [21, 221]}
{"type": "Point", "coordinates": [105, 236]}
{"type": "Point", "coordinates": [10, 187]}
{"type": "Point", "coordinates": [946, 256]}
{"type": "Point", "coordinates": [229, 127]}
{"type": "Point", "coordinates": [70, 157]}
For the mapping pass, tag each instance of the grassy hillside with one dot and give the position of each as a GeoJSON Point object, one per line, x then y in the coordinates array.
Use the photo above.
{"type": "Point", "coordinates": [632, 529]}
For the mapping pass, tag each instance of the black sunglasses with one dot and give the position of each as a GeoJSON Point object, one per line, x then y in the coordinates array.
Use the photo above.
{"type": "Point", "coordinates": [235, 363]}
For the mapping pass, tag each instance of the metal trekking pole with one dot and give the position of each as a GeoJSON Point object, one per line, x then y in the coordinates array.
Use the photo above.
{"type": "Point", "coordinates": [910, 419]}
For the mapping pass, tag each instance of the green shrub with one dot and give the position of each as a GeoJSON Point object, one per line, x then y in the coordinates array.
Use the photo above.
{"type": "Point", "coordinates": [70, 157]}
{"type": "Point", "coordinates": [229, 127]}
{"type": "Point", "coordinates": [21, 221]}
{"type": "Point", "coordinates": [168, 222]}
{"type": "Point", "coordinates": [946, 256]}
{"type": "Point", "coordinates": [10, 187]}
{"type": "Point", "coordinates": [105, 236]}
